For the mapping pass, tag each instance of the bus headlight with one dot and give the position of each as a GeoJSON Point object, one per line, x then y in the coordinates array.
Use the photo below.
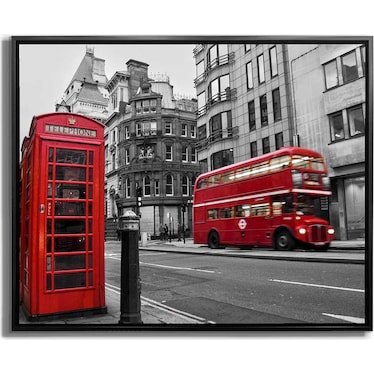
{"type": "Point", "coordinates": [302, 231]}
{"type": "Point", "coordinates": [331, 231]}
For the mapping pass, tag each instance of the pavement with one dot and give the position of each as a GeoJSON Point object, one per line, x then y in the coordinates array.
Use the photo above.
{"type": "Point", "coordinates": [155, 314]}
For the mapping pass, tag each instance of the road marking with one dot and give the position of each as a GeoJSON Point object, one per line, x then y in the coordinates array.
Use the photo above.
{"type": "Point", "coordinates": [157, 305]}
{"type": "Point", "coordinates": [318, 285]}
{"type": "Point", "coordinates": [178, 268]}
{"type": "Point", "coordinates": [346, 318]}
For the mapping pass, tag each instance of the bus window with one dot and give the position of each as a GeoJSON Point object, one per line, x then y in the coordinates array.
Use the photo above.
{"type": "Point", "coordinates": [243, 173]}
{"type": "Point", "coordinates": [281, 162]}
{"type": "Point", "coordinates": [228, 177]}
{"type": "Point", "coordinates": [202, 183]}
{"type": "Point", "coordinates": [226, 213]}
{"type": "Point", "coordinates": [212, 213]}
{"type": "Point", "coordinates": [300, 161]}
{"type": "Point", "coordinates": [317, 164]}
{"type": "Point", "coordinates": [213, 180]}
{"type": "Point", "coordinates": [260, 209]}
{"type": "Point", "coordinates": [242, 210]}
{"type": "Point", "coordinates": [259, 169]}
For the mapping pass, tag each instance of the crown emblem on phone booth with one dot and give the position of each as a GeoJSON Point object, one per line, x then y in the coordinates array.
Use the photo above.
{"type": "Point", "coordinates": [72, 121]}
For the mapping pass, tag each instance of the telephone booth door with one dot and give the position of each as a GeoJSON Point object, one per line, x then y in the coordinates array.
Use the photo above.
{"type": "Point", "coordinates": [66, 255]}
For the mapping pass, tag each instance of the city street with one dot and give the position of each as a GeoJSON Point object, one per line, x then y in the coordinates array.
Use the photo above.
{"type": "Point", "coordinates": [218, 289]}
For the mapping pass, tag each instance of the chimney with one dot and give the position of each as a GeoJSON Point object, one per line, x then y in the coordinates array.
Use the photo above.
{"type": "Point", "coordinates": [138, 74]}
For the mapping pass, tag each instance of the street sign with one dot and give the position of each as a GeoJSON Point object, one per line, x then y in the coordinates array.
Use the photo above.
{"type": "Point", "coordinates": [242, 224]}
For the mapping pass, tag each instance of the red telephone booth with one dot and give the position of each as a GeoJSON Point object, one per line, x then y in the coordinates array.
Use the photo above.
{"type": "Point", "coordinates": [62, 216]}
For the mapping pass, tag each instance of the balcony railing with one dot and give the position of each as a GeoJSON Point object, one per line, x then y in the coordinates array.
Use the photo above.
{"type": "Point", "coordinates": [227, 95]}
{"type": "Point", "coordinates": [198, 49]}
{"type": "Point", "coordinates": [217, 135]}
{"type": "Point", "coordinates": [219, 61]}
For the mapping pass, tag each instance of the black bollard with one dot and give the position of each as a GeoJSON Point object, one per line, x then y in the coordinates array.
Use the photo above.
{"type": "Point", "coordinates": [130, 280]}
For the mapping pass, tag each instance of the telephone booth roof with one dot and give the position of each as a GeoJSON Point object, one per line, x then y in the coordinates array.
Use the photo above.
{"type": "Point", "coordinates": [66, 124]}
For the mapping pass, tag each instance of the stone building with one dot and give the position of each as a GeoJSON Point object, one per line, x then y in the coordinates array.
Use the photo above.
{"type": "Point", "coordinates": [150, 151]}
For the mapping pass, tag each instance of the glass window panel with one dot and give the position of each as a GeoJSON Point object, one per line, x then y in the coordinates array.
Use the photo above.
{"type": "Point", "coordinates": [50, 154]}
{"type": "Point", "coordinates": [356, 121]}
{"type": "Point", "coordinates": [68, 173]}
{"type": "Point", "coordinates": [273, 61]}
{"type": "Point", "coordinates": [70, 244]}
{"type": "Point", "coordinates": [214, 90]}
{"type": "Point", "coordinates": [337, 127]}
{"type": "Point", "coordinates": [63, 208]}
{"type": "Point", "coordinates": [50, 172]}
{"type": "Point", "coordinates": [276, 105]}
{"type": "Point", "coordinates": [90, 175]}
{"type": "Point", "coordinates": [264, 110]}
{"type": "Point", "coordinates": [73, 262]}
{"type": "Point", "coordinates": [261, 68]}
{"type": "Point", "coordinates": [70, 226]}
{"type": "Point", "coordinates": [222, 50]}
{"type": "Point", "coordinates": [70, 280]}
{"type": "Point", "coordinates": [349, 67]}
{"type": "Point", "coordinates": [90, 191]}
{"type": "Point", "coordinates": [70, 191]}
{"type": "Point", "coordinates": [249, 75]}
{"type": "Point", "coordinates": [49, 282]}
{"type": "Point", "coordinates": [90, 157]}
{"type": "Point", "coordinates": [90, 278]}
{"type": "Point", "coordinates": [331, 74]}
{"type": "Point", "coordinates": [70, 156]}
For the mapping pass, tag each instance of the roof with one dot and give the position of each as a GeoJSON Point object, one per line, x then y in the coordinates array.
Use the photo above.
{"type": "Point", "coordinates": [90, 92]}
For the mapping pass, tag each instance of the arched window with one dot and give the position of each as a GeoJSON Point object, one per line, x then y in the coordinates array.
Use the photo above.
{"type": "Point", "coordinates": [169, 185]}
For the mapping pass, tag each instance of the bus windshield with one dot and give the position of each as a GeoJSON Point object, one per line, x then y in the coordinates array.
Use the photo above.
{"type": "Point", "coordinates": [304, 205]}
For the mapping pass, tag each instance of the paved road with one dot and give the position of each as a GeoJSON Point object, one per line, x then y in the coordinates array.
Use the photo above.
{"type": "Point", "coordinates": [236, 290]}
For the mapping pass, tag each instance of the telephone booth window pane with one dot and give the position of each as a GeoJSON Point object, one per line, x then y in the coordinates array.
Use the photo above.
{"type": "Point", "coordinates": [49, 245]}
{"type": "Point", "coordinates": [50, 154]}
{"type": "Point", "coordinates": [73, 262]}
{"type": "Point", "coordinates": [90, 191]}
{"type": "Point", "coordinates": [68, 173]}
{"type": "Point", "coordinates": [50, 189]}
{"type": "Point", "coordinates": [70, 280]}
{"type": "Point", "coordinates": [50, 172]}
{"type": "Point", "coordinates": [69, 209]}
{"type": "Point", "coordinates": [49, 226]}
{"type": "Point", "coordinates": [70, 156]}
{"type": "Point", "coordinates": [89, 243]}
{"type": "Point", "coordinates": [90, 226]}
{"type": "Point", "coordinates": [70, 226]}
{"type": "Point", "coordinates": [90, 261]}
{"type": "Point", "coordinates": [90, 175]}
{"type": "Point", "coordinates": [90, 157]}
{"type": "Point", "coordinates": [71, 191]}
{"type": "Point", "coordinates": [90, 209]}
{"type": "Point", "coordinates": [70, 244]}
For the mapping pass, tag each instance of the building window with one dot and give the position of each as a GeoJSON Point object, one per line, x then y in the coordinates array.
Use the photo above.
{"type": "Point", "coordinates": [252, 115]}
{"type": "Point", "coordinates": [169, 153]}
{"type": "Point", "coordinates": [184, 153]}
{"type": "Point", "coordinates": [199, 72]}
{"type": "Point", "coordinates": [349, 67]}
{"type": "Point", "coordinates": [331, 75]}
{"type": "Point", "coordinates": [264, 110]}
{"type": "Point", "coordinates": [184, 129]}
{"type": "Point", "coordinates": [273, 61]}
{"type": "Point", "coordinates": [127, 156]}
{"type": "Point", "coordinates": [217, 55]}
{"type": "Point", "coordinates": [254, 151]}
{"type": "Point", "coordinates": [128, 187]}
{"type": "Point", "coordinates": [265, 145]}
{"type": "Point", "coordinates": [249, 75]}
{"type": "Point", "coordinates": [113, 161]}
{"type": "Point", "coordinates": [279, 140]}
{"type": "Point", "coordinates": [193, 155]}
{"type": "Point", "coordinates": [217, 90]}
{"type": "Point", "coordinates": [202, 132]}
{"type": "Point", "coordinates": [168, 128]}
{"type": "Point", "coordinates": [153, 105]}
{"type": "Point", "coordinates": [276, 105]}
{"type": "Point", "coordinates": [247, 47]}
{"type": "Point", "coordinates": [193, 131]}
{"type": "Point", "coordinates": [201, 104]}
{"type": "Point", "coordinates": [363, 59]}
{"type": "Point", "coordinates": [220, 125]}
{"type": "Point", "coordinates": [147, 186]}
{"type": "Point", "coordinates": [169, 185]}
{"type": "Point", "coordinates": [127, 132]}
{"type": "Point", "coordinates": [261, 69]}
{"type": "Point", "coordinates": [222, 158]}
{"type": "Point", "coordinates": [157, 188]}
{"type": "Point", "coordinates": [337, 126]}
{"type": "Point", "coordinates": [185, 188]}
{"type": "Point", "coordinates": [356, 120]}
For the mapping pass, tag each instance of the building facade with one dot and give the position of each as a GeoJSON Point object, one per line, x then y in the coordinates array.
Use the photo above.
{"type": "Point", "coordinates": [256, 98]}
{"type": "Point", "coordinates": [151, 155]}
{"type": "Point", "coordinates": [330, 114]}
{"type": "Point", "coordinates": [244, 107]}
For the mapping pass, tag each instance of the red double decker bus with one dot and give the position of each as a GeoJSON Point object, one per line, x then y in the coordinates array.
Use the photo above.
{"type": "Point", "coordinates": [265, 201]}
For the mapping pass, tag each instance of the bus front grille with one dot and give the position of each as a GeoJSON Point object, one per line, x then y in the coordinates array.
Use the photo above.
{"type": "Point", "coordinates": [318, 233]}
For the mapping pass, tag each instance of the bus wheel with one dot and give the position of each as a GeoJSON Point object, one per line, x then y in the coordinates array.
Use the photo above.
{"type": "Point", "coordinates": [284, 241]}
{"type": "Point", "coordinates": [213, 240]}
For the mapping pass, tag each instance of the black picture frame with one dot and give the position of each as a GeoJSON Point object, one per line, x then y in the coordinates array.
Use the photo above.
{"type": "Point", "coordinates": [18, 41]}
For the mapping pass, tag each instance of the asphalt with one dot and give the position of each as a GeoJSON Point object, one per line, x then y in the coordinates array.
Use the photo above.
{"type": "Point", "coordinates": [154, 314]}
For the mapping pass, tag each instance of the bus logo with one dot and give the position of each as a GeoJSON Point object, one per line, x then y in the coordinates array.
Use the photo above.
{"type": "Point", "coordinates": [242, 224]}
